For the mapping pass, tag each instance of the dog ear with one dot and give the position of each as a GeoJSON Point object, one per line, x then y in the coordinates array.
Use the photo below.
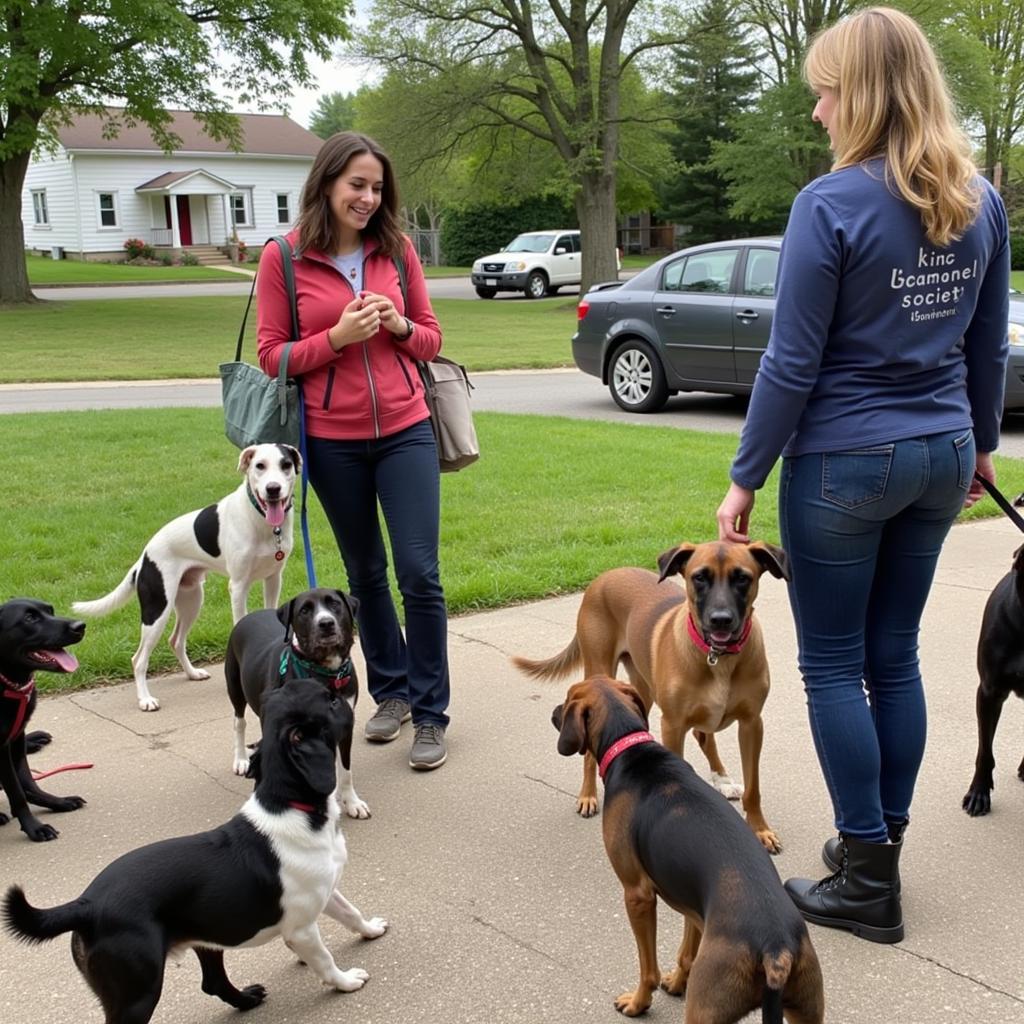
{"type": "Point", "coordinates": [314, 758]}
{"type": "Point", "coordinates": [572, 735]}
{"type": "Point", "coordinates": [771, 559]}
{"type": "Point", "coordinates": [285, 614]}
{"type": "Point", "coordinates": [245, 457]}
{"type": "Point", "coordinates": [674, 560]}
{"type": "Point", "coordinates": [350, 602]}
{"type": "Point", "coordinates": [295, 456]}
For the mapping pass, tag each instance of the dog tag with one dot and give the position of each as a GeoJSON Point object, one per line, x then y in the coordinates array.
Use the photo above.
{"type": "Point", "coordinates": [279, 556]}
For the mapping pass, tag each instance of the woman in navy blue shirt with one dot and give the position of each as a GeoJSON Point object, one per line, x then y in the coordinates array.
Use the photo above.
{"type": "Point", "coordinates": [882, 389]}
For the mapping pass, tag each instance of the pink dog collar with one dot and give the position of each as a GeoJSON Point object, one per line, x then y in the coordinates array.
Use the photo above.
{"type": "Point", "coordinates": [713, 652]}
{"type": "Point", "coordinates": [631, 739]}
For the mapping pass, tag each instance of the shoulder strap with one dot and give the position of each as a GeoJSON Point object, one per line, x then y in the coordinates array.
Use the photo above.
{"type": "Point", "coordinates": [399, 263]}
{"type": "Point", "coordinates": [289, 283]}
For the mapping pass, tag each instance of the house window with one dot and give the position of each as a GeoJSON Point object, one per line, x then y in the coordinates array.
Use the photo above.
{"type": "Point", "coordinates": [106, 204]}
{"type": "Point", "coordinates": [241, 209]}
{"type": "Point", "coordinates": [42, 214]}
{"type": "Point", "coordinates": [284, 214]}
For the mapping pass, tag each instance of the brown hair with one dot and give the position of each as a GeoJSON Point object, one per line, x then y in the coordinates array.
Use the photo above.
{"type": "Point", "coordinates": [892, 101]}
{"type": "Point", "coordinates": [317, 228]}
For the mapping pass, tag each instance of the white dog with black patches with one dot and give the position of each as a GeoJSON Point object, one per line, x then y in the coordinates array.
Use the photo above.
{"type": "Point", "coordinates": [246, 536]}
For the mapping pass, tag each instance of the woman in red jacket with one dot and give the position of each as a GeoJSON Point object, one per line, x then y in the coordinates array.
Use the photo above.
{"type": "Point", "coordinates": [369, 438]}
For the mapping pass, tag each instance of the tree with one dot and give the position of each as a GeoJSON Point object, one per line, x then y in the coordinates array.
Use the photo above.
{"type": "Point", "coordinates": [714, 80]}
{"type": "Point", "coordinates": [59, 58]}
{"type": "Point", "coordinates": [335, 112]}
{"type": "Point", "coordinates": [548, 70]}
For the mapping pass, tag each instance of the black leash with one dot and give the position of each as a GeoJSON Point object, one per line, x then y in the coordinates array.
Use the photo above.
{"type": "Point", "coordinates": [997, 496]}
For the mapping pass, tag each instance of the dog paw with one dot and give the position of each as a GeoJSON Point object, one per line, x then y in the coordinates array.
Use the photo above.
{"type": "Point", "coordinates": [35, 741]}
{"type": "Point", "coordinates": [241, 766]}
{"type": "Point", "coordinates": [729, 789]}
{"type": "Point", "coordinates": [586, 806]}
{"type": "Point", "coordinates": [68, 803]}
{"type": "Point", "coordinates": [355, 807]}
{"type": "Point", "coordinates": [630, 1004]}
{"type": "Point", "coordinates": [149, 704]}
{"type": "Point", "coordinates": [674, 981]}
{"type": "Point", "coordinates": [198, 674]}
{"type": "Point", "coordinates": [977, 802]}
{"type": "Point", "coordinates": [373, 928]}
{"type": "Point", "coordinates": [40, 833]}
{"type": "Point", "coordinates": [351, 980]}
{"type": "Point", "coordinates": [769, 840]}
{"type": "Point", "coordinates": [250, 996]}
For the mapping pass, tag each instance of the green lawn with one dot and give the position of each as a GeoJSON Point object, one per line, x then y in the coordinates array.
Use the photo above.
{"type": "Point", "coordinates": [43, 272]}
{"type": "Point", "coordinates": [144, 339]}
{"type": "Point", "coordinates": [516, 526]}
{"type": "Point", "coordinates": [1017, 279]}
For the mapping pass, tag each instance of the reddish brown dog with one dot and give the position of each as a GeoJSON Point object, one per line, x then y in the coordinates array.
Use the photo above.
{"type": "Point", "coordinates": [669, 835]}
{"type": "Point", "coordinates": [699, 654]}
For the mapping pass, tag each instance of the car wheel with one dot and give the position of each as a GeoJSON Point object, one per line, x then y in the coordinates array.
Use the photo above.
{"type": "Point", "coordinates": [486, 293]}
{"type": "Point", "coordinates": [636, 378]}
{"type": "Point", "coordinates": [536, 285]}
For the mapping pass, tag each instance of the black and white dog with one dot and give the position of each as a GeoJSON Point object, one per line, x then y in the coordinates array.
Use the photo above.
{"type": "Point", "coordinates": [246, 536]}
{"type": "Point", "coordinates": [32, 639]}
{"type": "Point", "coordinates": [309, 637]}
{"type": "Point", "coordinates": [272, 870]}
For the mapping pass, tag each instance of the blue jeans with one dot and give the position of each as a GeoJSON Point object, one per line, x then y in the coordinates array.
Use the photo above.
{"type": "Point", "coordinates": [863, 530]}
{"type": "Point", "coordinates": [401, 472]}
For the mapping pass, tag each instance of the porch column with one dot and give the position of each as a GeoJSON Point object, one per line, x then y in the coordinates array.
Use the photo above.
{"type": "Point", "coordinates": [225, 203]}
{"type": "Point", "coordinates": [175, 232]}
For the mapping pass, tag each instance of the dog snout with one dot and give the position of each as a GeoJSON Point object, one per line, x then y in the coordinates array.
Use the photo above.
{"type": "Point", "coordinates": [77, 629]}
{"type": "Point", "coordinates": [273, 491]}
{"type": "Point", "coordinates": [327, 624]}
{"type": "Point", "coordinates": [721, 619]}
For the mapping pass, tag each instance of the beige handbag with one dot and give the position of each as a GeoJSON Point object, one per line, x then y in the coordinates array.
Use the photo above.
{"type": "Point", "coordinates": [446, 389]}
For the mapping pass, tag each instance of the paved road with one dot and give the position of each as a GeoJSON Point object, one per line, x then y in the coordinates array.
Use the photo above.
{"type": "Point", "coordinates": [546, 392]}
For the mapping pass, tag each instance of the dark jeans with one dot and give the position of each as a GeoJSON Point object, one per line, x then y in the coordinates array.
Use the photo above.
{"type": "Point", "coordinates": [863, 530]}
{"type": "Point", "coordinates": [401, 472]}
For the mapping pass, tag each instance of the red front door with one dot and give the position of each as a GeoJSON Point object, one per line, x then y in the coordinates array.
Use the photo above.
{"type": "Point", "coordinates": [184, 220]}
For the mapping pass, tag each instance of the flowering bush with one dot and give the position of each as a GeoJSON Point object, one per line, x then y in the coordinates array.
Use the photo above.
{"type": "Point", "coordinates": [136, 247]}
{"type": "Point", "coordinates": [243, 252]}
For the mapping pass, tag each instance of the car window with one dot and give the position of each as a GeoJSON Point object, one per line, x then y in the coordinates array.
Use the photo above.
{"type": "Point", "coordinates": [565, 242]}
{"type": "Point", "coordinates": [761, 271]}
{"type": "Point", "coordinates": [702, 272]}
{"type": "Point", "coordinates": [529, 243]}
{"type": "Point", "coordinates": [575, 243]}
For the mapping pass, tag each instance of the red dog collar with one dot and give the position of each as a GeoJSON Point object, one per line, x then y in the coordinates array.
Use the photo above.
{"type": "Point", "coordinates": [711, 650]}
{"type": "Point", "coordinates": [21, 693]}
{"type": "Point", "coordinates": [631, 739]}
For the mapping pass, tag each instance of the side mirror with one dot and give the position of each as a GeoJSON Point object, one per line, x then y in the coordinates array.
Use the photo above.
{"type": "Point", "coordinates": [560, 251]}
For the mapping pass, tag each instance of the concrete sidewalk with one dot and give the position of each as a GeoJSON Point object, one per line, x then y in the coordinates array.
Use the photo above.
{"type": "Point", "coordinates": [502, 905]}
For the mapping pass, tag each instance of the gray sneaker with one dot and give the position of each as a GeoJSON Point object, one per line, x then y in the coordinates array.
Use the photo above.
{"type": "Point", "coordinates": [428, 748]}
{"type": "Point", "coordinates": [386, 722]}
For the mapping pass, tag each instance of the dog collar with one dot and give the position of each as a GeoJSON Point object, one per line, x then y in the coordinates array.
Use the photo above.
{"type": "Point", "coordinates": [279, 553]}
{"type": "Point", "coordinates": [308, 808]}
{"type": "Point", "coordinates": [22, 693]}
{"type": "Point", "coordinates": [340, 677]}
{"type": "Point", "coordinates": [631, 739]}
{"type": "Point", "coordinates": [713, 651]}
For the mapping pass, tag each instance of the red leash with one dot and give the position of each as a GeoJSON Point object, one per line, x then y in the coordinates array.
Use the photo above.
{"type": "Point", "coordinates": [53, 771]}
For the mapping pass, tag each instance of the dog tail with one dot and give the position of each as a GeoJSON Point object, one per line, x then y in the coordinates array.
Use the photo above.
{"type": "Point", "coordinates": [776, 973]}
{"type": "Point", "coordinates": [561, 665]}
{"type": "Point", "coordinates": [32, 925]}
{"type": "Point", "coordinates": [121, 594]}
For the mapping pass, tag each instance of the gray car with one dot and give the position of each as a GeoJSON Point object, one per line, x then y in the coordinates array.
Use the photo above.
{"type": "Point", "coordinates": [699, 320]}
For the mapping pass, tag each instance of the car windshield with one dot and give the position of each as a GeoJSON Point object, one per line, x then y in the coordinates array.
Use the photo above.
{"type": "Point", "coordinates": [529, 243]}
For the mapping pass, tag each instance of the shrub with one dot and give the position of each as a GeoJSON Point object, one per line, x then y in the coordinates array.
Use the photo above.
{"type": "Point", "coordinates": [1017, 252]}
{"type": "Point", "coordinates": [136, 247]}
{"type": "Point", "coordinates": [243, 252]}
{"type": "Point", "coordinates": [189, 259]}
{"type": "Point", "coordinates": [475, 230]}
{"type": "Point", "coordinates": [167, 259]}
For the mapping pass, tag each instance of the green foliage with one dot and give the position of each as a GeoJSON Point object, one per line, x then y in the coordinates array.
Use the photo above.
{"type": "Point", "coordinates": [1017, 252]}
{"type": "Point", "coordinates": [475, 230]}
{"type": "Point", "coordinates": [335, 112]}
{"type": "Point", "coordinates": [713, 81]}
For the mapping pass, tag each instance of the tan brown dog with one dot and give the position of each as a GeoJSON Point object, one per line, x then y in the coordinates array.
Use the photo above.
{"type": "Point", "coordinates": [668, 834]}
{"type": "Point", "coordinates": [699, 654]}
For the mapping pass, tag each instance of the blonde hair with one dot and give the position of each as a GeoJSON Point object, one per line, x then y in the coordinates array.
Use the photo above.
{"type": "Point", "coordinates": [891, 100]}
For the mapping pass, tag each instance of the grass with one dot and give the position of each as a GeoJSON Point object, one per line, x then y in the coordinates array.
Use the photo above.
{"type": "Point", "coordinates": [148, 339]}
{"type": "Point", "coordinates": [43, 272]}
{"type": "Point", "coordinates": [77, 527]}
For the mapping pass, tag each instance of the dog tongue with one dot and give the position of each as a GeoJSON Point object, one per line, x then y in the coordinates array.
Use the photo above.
{"type": "Point", "coordinates": [67, 661]}
{"type": "Point", "coordinates": [275, 513]}
{"type": "Point", "coordinates": [721, 637]}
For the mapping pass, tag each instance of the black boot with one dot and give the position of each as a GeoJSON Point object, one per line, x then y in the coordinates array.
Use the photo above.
{"type": "Point", "coordinates": [861, 897]}
{"type": "Point", "coordinates": [831, 854]}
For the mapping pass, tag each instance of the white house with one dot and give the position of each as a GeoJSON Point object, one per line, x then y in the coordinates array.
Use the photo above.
{"type": "Point", "coordinates": [93, 193]}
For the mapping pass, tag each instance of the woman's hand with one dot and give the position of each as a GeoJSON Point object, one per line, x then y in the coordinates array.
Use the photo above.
{"type": "Point", "coordinates": [359, 321]}
{"type": "Point", "coordinates": [390, 318]}
{"type": "Point", "coordinates": [982, 464]}
{"type": "Point", "coordinates": [734, 514]}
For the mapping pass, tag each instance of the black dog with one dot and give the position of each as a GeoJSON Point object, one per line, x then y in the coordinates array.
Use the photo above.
{"type": "Point", "coordinates": [271, 870]}
{"type": "Point", "coordinates": [315, 642]}
{"type": "Point", "coordinates": [32, 639]}
{"type": "Point", "coordinates": [1001, 670]}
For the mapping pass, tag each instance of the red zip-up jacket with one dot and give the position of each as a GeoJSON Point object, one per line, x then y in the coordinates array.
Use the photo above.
{"type": "Point", "coordinates": [369, 389]}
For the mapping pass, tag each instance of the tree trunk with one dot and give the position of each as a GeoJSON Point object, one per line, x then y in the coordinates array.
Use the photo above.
{"type": "Point", "coordinates": [14, 285]}
{"type": "Point", "coordinates": [595, 208]}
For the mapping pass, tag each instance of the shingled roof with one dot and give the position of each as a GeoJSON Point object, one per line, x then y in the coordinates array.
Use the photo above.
{"type": "Point", "coordinates": [267, 134]}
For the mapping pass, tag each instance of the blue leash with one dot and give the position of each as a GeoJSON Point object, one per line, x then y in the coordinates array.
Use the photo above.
{"type": "Point", "coordinates": [310, 571]}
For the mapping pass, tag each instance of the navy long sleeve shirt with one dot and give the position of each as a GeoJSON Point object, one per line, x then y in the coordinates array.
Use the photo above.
{"type": "Point", "coordinates": [878, 335]}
